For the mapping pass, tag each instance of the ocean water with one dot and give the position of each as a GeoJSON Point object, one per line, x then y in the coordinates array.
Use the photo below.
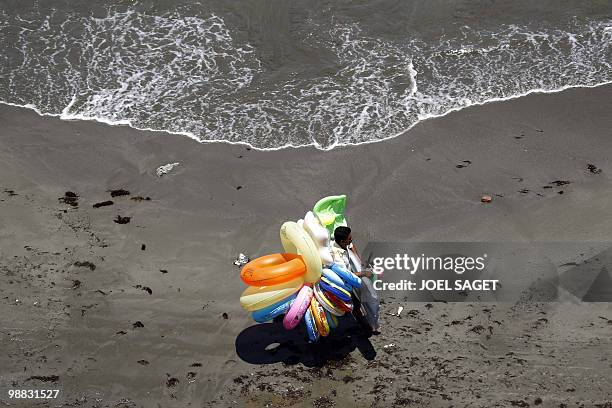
{"type": "Point", "coordinates": [274, 74]}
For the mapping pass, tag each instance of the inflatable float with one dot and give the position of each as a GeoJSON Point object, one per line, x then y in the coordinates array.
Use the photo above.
{"type": "Point", "coordinates": [276, 309]}
{"type": "Point", "coordinates": [299, 307]}
{"type": "Point", "coordinates": [302, 283]}
{"type": "Point", "coordinates": [258, 297]}
{"type": "Point", "coordinates": [326, 303]}
{"type": "Point", "coordinates": [272, 269]}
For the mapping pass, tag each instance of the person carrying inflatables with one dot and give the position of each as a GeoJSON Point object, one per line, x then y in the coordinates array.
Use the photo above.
{"type": "Point", "coordinates": [345, 253]}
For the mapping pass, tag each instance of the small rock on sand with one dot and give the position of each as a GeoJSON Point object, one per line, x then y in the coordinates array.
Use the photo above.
{"type": "Point", "coordinates": [486, 199]}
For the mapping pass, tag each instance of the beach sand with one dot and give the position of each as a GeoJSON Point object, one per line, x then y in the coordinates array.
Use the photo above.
{"type": "Point", "coordinates": [145, 313]}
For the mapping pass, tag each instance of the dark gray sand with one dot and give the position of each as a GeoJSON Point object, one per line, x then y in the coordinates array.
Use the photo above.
{"type": "Point", "coordinates": [135, 303]}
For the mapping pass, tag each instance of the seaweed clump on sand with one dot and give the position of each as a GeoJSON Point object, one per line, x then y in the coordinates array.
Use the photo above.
{"type": "Point", "coordinates": [85, 264]}
{"type": "Point", "coordinates": [70, 198]}
{"type": "Point", "coordinates": [122, 220]}
{"type": "Point", "coordinates": [118, 193]}
{"type": "Point", "coordinates": [103, 204]}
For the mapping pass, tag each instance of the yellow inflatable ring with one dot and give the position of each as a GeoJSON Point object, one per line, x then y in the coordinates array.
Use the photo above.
{"type": "Point", "coordinates": [258, 297]}
{"type": "Point", "coordinates": [319, 317]}
{"type": "Point", "coordinates": [296, 240]}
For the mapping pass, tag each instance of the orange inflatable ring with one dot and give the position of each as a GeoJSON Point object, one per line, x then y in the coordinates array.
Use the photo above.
{"type": "Point", "coordinates": [273, 269]}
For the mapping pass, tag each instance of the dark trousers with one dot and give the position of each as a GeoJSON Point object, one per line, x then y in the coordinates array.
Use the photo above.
{"type": "Point", "coordinates": [358, 313]}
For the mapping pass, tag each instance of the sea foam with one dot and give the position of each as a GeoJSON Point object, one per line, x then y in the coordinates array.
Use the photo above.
{"type": "Point", "coordinates": [189, 75]}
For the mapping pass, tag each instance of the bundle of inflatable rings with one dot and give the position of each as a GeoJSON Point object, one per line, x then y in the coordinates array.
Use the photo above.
{"type": "Point", "coordinates": [303, 283]}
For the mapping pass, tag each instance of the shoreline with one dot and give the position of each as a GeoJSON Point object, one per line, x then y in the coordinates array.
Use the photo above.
{"type": "Point", "coordinates": [66, 117]}
{"type": "Point", "coordinates": [146, 312]}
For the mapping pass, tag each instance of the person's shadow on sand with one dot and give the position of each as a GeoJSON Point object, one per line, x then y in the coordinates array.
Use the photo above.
{"type": "Point", "coordinates": [270, 343]}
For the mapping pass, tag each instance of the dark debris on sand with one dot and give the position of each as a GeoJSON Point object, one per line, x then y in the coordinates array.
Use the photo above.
{"type": "Point", "coordinates": [145, 288]}
{"type": "Point", "coordinates": [172, 382]}
{"type": "Point", "coordinates": [70, 198]}
{"type": "Point", "coordinates": [122, 220]}
{"type": "Point", "coordinates": [465, 163]}
{"type": "Point", "coordinates": [560, 183]}
{"type": "Point", "coordinates": [477, 329]}
{"type": "Point", "coordinates": [140, 198]}
{"type": "Point", "coordinates": [44, 378]}
{"type": "Point", "coordinates": [323, 402]}
{"type": "Point", "coordinates": [118, 193]}
{"type": "Point", "coordinates": [593, 168]}
{"type": "Point", "coordinates": [85, 264]}
{"type": "Point", "coordinates": [103, 204]}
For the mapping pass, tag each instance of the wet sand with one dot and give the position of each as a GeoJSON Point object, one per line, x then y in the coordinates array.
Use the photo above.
{"type": "Point", "coordinates": [145, 312]}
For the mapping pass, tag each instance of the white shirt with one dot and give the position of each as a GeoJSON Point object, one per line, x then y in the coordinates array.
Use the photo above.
{"type": "Point", "coordinates": [347, 257]}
